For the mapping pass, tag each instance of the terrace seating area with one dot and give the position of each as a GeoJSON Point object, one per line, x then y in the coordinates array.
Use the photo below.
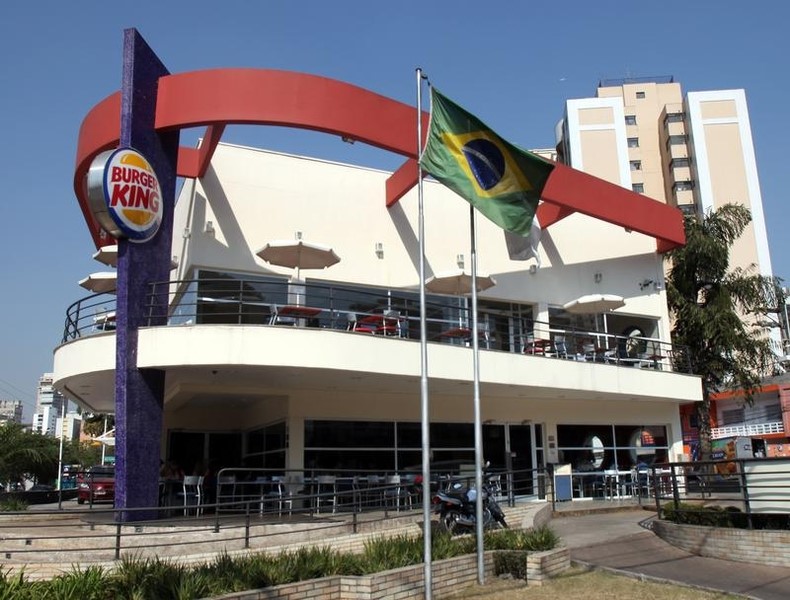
{"type": "Point", "coordinates": [393, 315]}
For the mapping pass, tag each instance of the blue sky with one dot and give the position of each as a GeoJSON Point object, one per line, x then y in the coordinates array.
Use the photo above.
{"type": "Point", "coordinates": [511, 63]}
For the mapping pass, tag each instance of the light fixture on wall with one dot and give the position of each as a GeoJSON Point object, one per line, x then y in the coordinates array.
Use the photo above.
{"type": "Point", "coordinates": [298, 235]}
{"type": "Point", "coordinates": [526, 422]}
{"type": "Point", "coordinates": [598, 277]}
{"type": "Point", "coordinates": [488, 422]}
{"type": "Point", "coordinates": [209, 228]}
{"type": "Point", "coordinates": [459, 260]}
{"type": "Point", "coordinates": [379, 250]}
{"type": "Point", "coordinates": [533, 269]}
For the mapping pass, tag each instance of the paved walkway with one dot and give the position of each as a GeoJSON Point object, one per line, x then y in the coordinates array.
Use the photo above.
{"type": "Point", "coordinates": [622, 541]}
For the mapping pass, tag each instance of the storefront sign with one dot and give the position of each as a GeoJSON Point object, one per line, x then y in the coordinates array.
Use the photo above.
{"type": "Point", "coordinates": [124, 195]}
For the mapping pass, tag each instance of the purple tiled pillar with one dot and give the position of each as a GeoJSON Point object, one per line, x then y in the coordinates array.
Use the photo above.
{"type": "Point", "coordinates": [139, 392]}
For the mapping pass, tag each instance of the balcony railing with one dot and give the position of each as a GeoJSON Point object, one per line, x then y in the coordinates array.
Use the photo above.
{"type": "Point", "coordinates": [505, 327]}
{"type": "Point", "coordinates": [746, 430]}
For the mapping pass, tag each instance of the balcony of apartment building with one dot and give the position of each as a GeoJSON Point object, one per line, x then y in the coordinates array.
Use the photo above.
{"type": "Point", "coordinates": [677, 146]}
{"type": "Point", "coordinates": [683, 193]}
{"type": "Point", "coordinates": [748, 430]}
{"type": "Point", "coordinates": [675, 123]}
{"type": "Point", "coordinates": [762, 418]}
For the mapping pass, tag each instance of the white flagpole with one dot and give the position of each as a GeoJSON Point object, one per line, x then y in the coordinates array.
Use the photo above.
{"type": "Point", "coordinates": [424, 405]}
{"type": "Point", "coordinates": [478, 424]}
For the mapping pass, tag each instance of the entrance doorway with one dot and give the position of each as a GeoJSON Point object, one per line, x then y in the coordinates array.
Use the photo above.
{"type": "Point", "coordinates": [517, 450]}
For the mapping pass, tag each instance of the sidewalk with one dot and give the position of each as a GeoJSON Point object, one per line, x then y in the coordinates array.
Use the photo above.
{"type": "Point", "coordinates": [620, 540]}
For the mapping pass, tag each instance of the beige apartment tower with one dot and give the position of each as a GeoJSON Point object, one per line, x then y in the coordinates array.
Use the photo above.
{"type": "Point", "coordinates": [694, 151]}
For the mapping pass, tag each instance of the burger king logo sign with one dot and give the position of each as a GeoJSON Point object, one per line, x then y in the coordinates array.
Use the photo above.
{"type": "Point", "coordinates": [124, 194]}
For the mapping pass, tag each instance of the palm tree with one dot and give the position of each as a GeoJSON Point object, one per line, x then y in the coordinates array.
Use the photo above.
{"type": "Point", "coordinates": [716, 310]}
{"type": "Point", "coordinates": [25, 454]}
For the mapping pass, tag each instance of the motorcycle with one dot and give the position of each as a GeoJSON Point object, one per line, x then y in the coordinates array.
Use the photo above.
{"type": "Point", "coordinates": [457, 507]}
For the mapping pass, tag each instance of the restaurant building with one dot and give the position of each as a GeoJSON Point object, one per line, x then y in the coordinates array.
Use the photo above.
{"type": "Point", "coordinates": [304, 367]}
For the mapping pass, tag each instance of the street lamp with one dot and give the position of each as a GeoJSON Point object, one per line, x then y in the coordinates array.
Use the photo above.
{"type": "Point", "coordinates": [60, 451]}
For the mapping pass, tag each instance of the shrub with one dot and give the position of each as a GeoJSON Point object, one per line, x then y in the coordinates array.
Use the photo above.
{"type": "Point", "coordinates": [511, 562]}
{"type": "Point", "coordinates": [685, 513]}
{"type": "Point", "coordinates": [12, 504]}
{"type": "Point", "coordinates": [390, 553]}
{"type": "Point", "coordinates": [78, 584]}
{"type": "Point", "coordinates": [153, 578]}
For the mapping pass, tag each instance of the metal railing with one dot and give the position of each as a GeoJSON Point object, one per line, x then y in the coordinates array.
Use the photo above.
{"type": "Point", "coordinates": [244, 514]}
{"type": "Point", "coordinates": [732, 492]}
{"type": "Point", "coordinates": [381, 312]}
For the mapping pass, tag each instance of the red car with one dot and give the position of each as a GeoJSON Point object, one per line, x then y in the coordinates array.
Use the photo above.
{"type": "Point", "coordinates": [97, 484]}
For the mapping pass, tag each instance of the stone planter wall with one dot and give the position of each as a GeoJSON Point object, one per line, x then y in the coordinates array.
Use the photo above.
{"type": "Point", "coordinates": [542, 566]}
{"type": "Point", "coordinates": [764, 547]}
{"type": "Point", "coordinates": [449, 576]}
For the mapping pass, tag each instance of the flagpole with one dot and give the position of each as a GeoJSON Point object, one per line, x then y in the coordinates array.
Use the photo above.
{"type": "Point", "coordinates": [424, 405]}
{"type": "Point", "coordinates": [476, 385]}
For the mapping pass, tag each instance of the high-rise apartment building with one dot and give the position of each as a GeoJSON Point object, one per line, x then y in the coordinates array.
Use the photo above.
{"type": "Point", "coordinates": [11, 410]}
{"type": "Point", "coordinates": [694, 151]}
{"type": "Point", "coordinates": [49, 406]}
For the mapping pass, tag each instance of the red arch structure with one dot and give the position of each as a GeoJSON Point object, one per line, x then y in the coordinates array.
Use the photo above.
{"type": "Point", "coordinates": [218, 97]}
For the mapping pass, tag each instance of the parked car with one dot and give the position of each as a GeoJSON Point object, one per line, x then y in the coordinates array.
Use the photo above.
{"type": "Point", "coordinates": [97, 484]}
{"type": "Point", "coordinates": [42, 487]}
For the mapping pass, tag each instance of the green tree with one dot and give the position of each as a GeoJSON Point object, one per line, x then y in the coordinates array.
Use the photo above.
{"type": "Point", "coordinates": [716, 310]}
{"type": "Point", "coordinates": [93, 423]}
{"type": "Point", "coordinates": [24, 454]}
{"type": "Point", "coordinates": [80, 453]}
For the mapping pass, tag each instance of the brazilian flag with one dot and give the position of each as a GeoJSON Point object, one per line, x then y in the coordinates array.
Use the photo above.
{"type": "Point", "coordinates": [500, 180]}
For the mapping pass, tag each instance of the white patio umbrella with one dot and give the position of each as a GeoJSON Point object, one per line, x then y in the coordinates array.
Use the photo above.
{"type": "Point", "coordinates": [108, 255]}
{"type": "Point", "coordinates": [298, 254]}
{"type": "Point", "coordinates": [100, 282]}
{"type": "Point", "coordinates": [108, 438]}
{"type": "Point", "coordinates": [594, 303]}
{"type": "Point", "coordinates": [457, 282]}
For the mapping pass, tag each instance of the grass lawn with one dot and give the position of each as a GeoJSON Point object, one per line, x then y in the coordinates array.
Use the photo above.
{"type": "Point", "coordinates": [580, 584]}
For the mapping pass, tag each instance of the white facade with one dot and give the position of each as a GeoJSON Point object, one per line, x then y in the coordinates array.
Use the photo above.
{"type": "Point", "coordinates": [251, 375]}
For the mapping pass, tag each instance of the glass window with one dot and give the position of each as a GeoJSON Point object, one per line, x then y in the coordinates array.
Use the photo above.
{"type": "Point", "coordinates": [349, 434]}
{"type": "Point", "coordinates": [677, 163]}
{"type": "Point", "coordinates": [452, 435]}
{"type": "Point", "coordinates": [636, 165]}
{"type": "Point", "coordinates": [358, 461]}
{"type": "Point", "coordinates": [409, 435]}
{"type": "Point", "coordinates": [255, 441]}
{"type": "Point", "coordinates": [673, 118]}
{"type": "Point", "coordinates": [639, 188]}
{"type": "Point", "coordinates": [770, 412]}
{"type": "Point", "coordinates": [676, 139]}
{"type": "Point", "coordinates": [600, 447]}
{"type": "Point", "coordinates": [275, 437]}
{"type": "Point", "coordinates": [640, 95]}
{"type": "Point", "coordinates": [630, 119]}
{"type": "Point", "coordinates": [732, 417]}
{"type": "Point", "coordinates": [683, 186]}
{"type": "Point", "coordinates": [688, 209]}
{"type": "Point", "coordinates": [633, 142]}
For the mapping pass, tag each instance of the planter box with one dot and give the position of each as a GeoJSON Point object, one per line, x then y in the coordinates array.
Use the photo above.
{"type": "Point", "coordinates": [449, 576]}
{"type": "Point", "coordinates": [542, 566]}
